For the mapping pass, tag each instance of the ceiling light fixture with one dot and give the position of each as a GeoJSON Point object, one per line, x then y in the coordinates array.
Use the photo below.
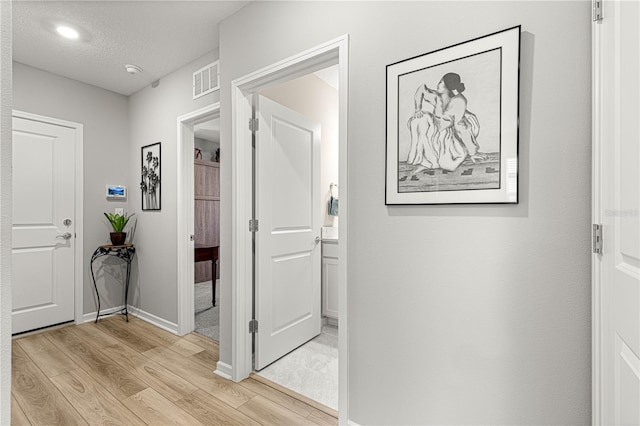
{"type": "Point", "coordinates": [133, 69]}
{"type": "Point", "coordinates": [67, 32]}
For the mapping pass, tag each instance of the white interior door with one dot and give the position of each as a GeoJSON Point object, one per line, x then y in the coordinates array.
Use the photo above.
{"type": "Point", "coordinates": [43, 245]}
{"type": "Point", "coordinates": [617, 195]}
{"type": "Point", "coordinates": [288, 288]}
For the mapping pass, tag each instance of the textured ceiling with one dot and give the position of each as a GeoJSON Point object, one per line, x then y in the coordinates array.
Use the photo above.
{"type": "Point", "coordinates": [209, 130]}
{"type": "Point", "coordinates": [158, 36]}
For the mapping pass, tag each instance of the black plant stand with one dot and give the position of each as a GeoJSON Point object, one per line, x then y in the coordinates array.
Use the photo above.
{"type": "Point", "coordinates": [125, 252]}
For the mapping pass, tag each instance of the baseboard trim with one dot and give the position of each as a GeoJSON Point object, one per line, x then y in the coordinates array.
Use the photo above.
{"type": "Point", "coordinates": [352, 423]}
{"type": "Point", "coordinates": [143, 315]}
{"type": "Point", "coordinates": [109, 311]}
{"type": "Point", "coordinates": [224, 370]}
{"type": "Point", "coordinates": [155, 320]}
{"type": "Point", "coordinates": [330, 321]}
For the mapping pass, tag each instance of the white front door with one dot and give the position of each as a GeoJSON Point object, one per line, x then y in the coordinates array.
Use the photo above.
{"type": "Point", "coordinates": [616, 204]}
{"type": "Point", "coordinates": [287, 266]}
{"type": "Point", "coordinates": [43, 243]}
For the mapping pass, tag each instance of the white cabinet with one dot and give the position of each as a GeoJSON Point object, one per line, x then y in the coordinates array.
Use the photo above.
{"type": "Point", "coordinates": [330, 279]}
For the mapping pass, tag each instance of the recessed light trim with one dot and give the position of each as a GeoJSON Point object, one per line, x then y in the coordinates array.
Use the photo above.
{"type": "Point", "coordinates": [133, 69]}
{"type": "Point", "coordinates": [67, 32]}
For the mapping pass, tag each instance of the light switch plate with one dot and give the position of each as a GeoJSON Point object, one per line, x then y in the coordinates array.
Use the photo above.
{"type": "Point", "coordinates": [329, 232]}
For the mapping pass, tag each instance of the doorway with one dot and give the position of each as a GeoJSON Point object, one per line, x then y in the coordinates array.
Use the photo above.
{"type": "Point", "coordinates": [616, 216]}
{"type": "Point", "coordinates": [243, 90]}
{"type": "Point", "coordinates": [186, 212]}
{"type": "Point", "coordinates": [300, 201]}
{"type": "Point", "coordinates": [206, 235]}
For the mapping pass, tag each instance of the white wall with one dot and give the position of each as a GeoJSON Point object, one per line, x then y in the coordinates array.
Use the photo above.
{"type": "Point", "coordinates": [106, 158]}
{"type": "Point", "coordinates": [153, 114]}
{"type": "Point", "coordinates": [457, 314]}
{"type": "Point", "coordinates": [207, 148]}
{"type": "Point", "coordinates": [5, 211]}
{"type": "Point", "coordinates": [314, 98]}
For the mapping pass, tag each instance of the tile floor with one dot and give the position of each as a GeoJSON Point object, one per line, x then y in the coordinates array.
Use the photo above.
{"type": "Point", "coordinates": [311, 370]}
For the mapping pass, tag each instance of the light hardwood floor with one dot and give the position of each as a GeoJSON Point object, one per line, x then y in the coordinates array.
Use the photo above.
{"type": "Point", "coordinates": [133, 373]}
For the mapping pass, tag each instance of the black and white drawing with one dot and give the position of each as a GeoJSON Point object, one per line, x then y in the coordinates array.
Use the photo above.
{"type": "Point", "coordinates": [452, 124]}
{"type": "Point", "coordinates": [150, 184]}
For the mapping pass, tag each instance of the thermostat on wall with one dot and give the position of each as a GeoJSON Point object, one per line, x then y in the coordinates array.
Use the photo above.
{"type": "Point", "coordinates": [117, 192]}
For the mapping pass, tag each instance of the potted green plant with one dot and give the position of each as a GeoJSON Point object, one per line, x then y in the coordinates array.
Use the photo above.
{"type": "Point", "coordinates": [118, 222]}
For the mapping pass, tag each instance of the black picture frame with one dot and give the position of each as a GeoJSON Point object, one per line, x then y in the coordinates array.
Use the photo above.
{"type": "Point", "coordinates": [452, 123]}
{"type": "Point", "coordinates": [151, 176]}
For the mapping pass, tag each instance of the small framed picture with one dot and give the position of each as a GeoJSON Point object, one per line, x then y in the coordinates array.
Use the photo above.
{"type": "Point", "coordinates": [151, 177]}
{"type": "Point", "coordinates": [452, 124]}
{"type": "Point", "coordinates": [116, 192]}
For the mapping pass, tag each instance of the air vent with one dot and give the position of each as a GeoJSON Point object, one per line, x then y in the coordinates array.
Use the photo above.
{"type": "Point", "coordinates": [206, 80]}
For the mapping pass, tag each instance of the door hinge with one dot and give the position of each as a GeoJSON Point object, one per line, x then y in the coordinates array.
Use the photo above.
{"type": "Point", "coordinates": [253, 326]}
{"type": "Point", "coordinates": [253, 125]}
{"type": "Point", "coordinates": [597, 238]}
{"type": "Point", "coordinates": [597, 10]}
{"type": "Point", "coordinates": [253, 225]}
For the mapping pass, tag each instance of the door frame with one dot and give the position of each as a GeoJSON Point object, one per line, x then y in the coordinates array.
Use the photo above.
{"type": "Point", "coordinates": [606, 36]}
{"type": "Point", "coordinates": [186, 211]}
{"type": "Point", "coordinates": [596, 208]}
{"type": "Point", "coordinates": [327, 54]}
{"type": "Point", "coordinates": [597, 297]}
{"type": "Point", "coordinates": [78, 282]}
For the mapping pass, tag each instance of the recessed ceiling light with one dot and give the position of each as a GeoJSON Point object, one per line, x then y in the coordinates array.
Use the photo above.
{"type": "Point", "coordinates": [67, 32]}
{"type": "Point", "coordinates": [133, 69]}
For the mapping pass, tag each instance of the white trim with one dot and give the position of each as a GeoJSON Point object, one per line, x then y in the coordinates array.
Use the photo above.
{"type": "Point", "coordinates": [224, 370]}
{"type": "Point", "coordinates": [241, 244]}
{"type": "Point", "coordinates": [45, 119]}
{"type": "Point", "coordinates": [343, 171]}
{"type": "Point", "coordinates": [6, 203]}
{"type": "Point", "coordinates": [333, 322]}
{"type": "Point", "coordinates": [143, 315]}
{"type": "Point", "coordinates": [78, 276]}
{"type": "Point", "coordinates": [152, 319]}
{"type": "Point", "coordinates": [79, 273]}
{"type": "Point", "coordinates": [351, 423]}
{"type": "Point", "coordinates": [90, 317]}
{"type": "Point", "coordinates": [185, 220]}
{"type": "Point", "coordinates": [596, 209]}
{"type": "Point", "coordinates": [334, 51]}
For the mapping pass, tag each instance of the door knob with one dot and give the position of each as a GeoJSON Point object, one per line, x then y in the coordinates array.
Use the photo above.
{"type": "Point", "coordinates": [317, 240]}
{"type": "Point", "coordinates": [66, 235]}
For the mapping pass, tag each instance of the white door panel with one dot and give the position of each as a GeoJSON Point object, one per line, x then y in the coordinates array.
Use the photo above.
{"type": "Point", "coordinates": [37, 153]}
{"type": "Point", "coordinates": [618, 90]}
{"type": "Point", "coordinates": [291, 284]}
{"type": "Point", "coordinates": [288, 287]}
{"type": "Point", "coordinates": [30, 294]}
{"type": "Point", "coordinates": [627, 372]}
{"type": "Point", "coordinates": [43, 197]}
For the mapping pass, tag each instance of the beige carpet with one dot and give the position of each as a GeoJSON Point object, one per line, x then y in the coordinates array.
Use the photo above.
{"type": "Point", "coordinates": [207, 316]}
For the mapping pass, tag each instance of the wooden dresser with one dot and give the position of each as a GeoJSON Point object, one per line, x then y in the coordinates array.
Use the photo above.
{"type": "Point", "coordinates": [207, 211]}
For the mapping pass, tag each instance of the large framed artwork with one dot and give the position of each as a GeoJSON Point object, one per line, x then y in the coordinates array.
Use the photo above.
{"type": "Point", "coordinates": [452, 124]}
{"type": "Point", "coordinates": [151, 173]}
